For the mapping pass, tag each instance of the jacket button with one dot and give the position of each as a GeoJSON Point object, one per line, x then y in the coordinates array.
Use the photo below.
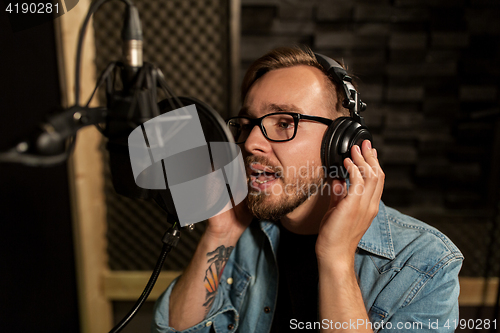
{"type": "Point", "coordinates": [229, 280]}
{"type": "Point", "coordinates": [230, 326]}
{"type": "Point", "coordinates": [267, 309]}
{"type": "Point", "coordinates": [208, 324]}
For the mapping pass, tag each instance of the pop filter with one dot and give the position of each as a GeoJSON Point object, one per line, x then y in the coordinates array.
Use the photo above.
{"type": "Point", "coordinates": [214, 130]}
{"type": "Point", "coordinates": [187, 156]}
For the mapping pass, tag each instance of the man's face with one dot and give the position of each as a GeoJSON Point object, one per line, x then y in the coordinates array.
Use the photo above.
{"type": "Point", "coordinates": [293, 169]}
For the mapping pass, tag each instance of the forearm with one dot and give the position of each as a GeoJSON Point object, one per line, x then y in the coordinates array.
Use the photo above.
{"type": "Point", "coordinates": [340, 299]}
{"type": "Point", "coordinates": [192, 296]}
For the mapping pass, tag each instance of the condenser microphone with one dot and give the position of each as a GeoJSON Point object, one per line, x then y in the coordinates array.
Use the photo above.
{"type": "Point", "coordinates": [131, 106]}
{"type": "Point", "coordinates": [132, 45]}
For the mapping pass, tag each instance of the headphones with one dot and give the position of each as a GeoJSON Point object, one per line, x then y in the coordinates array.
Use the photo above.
{"type": "Point", "coordinates": [344, 132]}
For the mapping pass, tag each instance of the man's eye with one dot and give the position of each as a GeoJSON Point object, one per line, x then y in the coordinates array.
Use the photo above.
{"type": "Point", "coordinates": [285, 125]}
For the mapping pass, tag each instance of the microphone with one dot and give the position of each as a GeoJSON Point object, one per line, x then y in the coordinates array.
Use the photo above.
{"type": "Point", "coordinates": [132, 45]}
{"type": "Point", "coordinates": [128, 106]}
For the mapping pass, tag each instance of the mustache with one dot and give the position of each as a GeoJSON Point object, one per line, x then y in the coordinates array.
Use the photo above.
{"type": "Point", "coordinates": [252, 160]}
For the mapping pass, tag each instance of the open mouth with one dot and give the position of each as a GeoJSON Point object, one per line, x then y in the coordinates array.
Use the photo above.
{"type": "Point", "coordinates": [262, 177]}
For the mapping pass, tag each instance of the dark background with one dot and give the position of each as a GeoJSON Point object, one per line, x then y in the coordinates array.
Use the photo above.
{"type": "Point", "coordinates": [428, 70]}
{"type": "Point", "coordinates": [38, 282]}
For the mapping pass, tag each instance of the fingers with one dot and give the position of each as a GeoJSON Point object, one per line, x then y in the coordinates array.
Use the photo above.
{"type": "Point", "coordinates": [369, 154]}
{"type": "Point", "coordinates": [366, 159]}
{"type": "Point", "coordinates": [338, 191]}
{"type": "Point", "coordinates": [377, 174]}
{"type": "Point", "coordinates": [359, 157]}
{"type": "Point", "coordinates": [357, 183]}
{"type": "Point", "coordinates": [366, 176]}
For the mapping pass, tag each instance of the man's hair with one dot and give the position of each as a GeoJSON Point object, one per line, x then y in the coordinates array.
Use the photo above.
{"type": "Point", "coordinates": [284, 57]}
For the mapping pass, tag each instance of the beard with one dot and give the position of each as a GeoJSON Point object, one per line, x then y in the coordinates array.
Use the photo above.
{"type": "Point", "coordinates": [294, 191]}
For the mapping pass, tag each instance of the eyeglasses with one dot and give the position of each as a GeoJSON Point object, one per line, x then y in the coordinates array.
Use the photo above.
{"type": "Point", "coordinates": [276, 127]}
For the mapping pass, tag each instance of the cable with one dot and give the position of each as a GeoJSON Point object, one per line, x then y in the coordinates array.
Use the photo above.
{"type": "Point", "coordinates": [104, 76]}
{"type": "Point", "coordinates": [170, 240]}
{"type": "Point", "coordinates": [81, 36]}
{"type": "Point", "coordinates": [163, 83]}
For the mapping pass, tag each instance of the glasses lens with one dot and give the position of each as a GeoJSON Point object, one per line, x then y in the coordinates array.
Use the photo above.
{"type": "Point", "coordinates": [240, 128]}
{"type": "Point", "coordinates": [279, 127]}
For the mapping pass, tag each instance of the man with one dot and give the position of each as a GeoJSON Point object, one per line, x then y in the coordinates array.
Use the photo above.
{"type": "Point", "coordinates": [305, 251]}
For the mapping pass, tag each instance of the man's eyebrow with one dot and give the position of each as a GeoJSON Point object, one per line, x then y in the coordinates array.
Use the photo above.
{"type": "Point", "coordinates": [273, 107]}
{"type": "Point", "coordinates": [284, 108]}
{"type": "Point", "coordinates": [243, 111]}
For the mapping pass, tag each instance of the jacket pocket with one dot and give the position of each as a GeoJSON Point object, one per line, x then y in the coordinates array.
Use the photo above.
{"type": "Point", "coordinates": [377, 318]}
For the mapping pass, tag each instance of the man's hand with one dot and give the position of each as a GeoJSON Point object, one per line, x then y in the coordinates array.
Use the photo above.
{"type": "Point", "coordinates": [194, 293]}
{"type": "Point", "coordinates": [230, 224]}
{"type": "Point", "coordinates": [351, 210]}
{"type": "Point", "coordinates": [350, 214]}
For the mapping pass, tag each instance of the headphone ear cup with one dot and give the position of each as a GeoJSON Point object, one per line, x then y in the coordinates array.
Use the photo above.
{"type": "Point", "coordinates": [329, 156]}
{"type": "Point", "coordinates": [337, 142]}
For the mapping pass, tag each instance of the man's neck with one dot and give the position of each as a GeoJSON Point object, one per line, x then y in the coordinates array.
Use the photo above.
{"type": "Point", "coordinates": [306, 219]}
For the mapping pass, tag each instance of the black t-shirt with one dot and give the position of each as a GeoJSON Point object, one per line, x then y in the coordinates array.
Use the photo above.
{"type": "Point", "coordinates": [298, 280]}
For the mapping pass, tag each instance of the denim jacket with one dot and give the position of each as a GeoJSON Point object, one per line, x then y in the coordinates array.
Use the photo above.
{"type": "Point", "coordinates": [407, 272]}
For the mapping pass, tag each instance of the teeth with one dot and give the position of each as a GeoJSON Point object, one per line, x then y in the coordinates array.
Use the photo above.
{"type": "Point", "coordinates": [262, 181]}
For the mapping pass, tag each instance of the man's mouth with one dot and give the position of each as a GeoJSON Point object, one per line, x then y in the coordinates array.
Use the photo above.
{"type": "Point", "coordinates": [262, 176]}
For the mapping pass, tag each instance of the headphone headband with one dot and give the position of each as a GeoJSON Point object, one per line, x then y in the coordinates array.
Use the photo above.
{"type": "Point", "coordinates": [344, 132]}
{"type": "Point", "coordinates": [339, 76]}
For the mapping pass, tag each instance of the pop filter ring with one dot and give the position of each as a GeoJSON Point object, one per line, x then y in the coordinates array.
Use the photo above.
{"type": "Point", "coordinates": [214, 129]}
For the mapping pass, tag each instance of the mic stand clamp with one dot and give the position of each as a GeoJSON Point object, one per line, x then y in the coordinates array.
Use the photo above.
{"type": "Point", "coordinates": [172, 236]}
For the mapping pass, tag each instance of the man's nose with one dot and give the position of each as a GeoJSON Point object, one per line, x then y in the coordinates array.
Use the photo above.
{"type": "Point", "coordinates": [256, 141]}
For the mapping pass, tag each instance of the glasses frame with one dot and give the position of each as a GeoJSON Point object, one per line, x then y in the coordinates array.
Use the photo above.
{"type": "Point", "coordinates": [296, 118]}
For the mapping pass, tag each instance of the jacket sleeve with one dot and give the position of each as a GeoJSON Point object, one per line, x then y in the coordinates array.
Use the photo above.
{"type": "Point", "coordinates": [434, 305]}
{"type": "Point", "coordinates": [220, 315]}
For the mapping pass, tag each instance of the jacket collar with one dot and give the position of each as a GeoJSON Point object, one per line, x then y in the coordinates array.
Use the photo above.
{"type": "Point", "coordinates": [377, 239]}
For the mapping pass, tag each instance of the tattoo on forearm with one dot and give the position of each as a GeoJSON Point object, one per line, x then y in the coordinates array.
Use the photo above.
{"type": "Point", "coordinates": [217, 260]}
